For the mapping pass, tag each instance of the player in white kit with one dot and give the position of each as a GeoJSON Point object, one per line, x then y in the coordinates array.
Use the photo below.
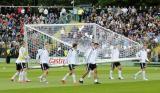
{"type": "Point", "coordinates": [43, 58]}
{"type": "Point", "coordinates": [142, 55]}
{"type": "Point", "coordinates": [21, 63]}
{"type": "Point", "coordinates": [115, 55]}
{"type": "Point", "coordinates": [72, 59]}
{"type": "Point", "coordinates": [91, 60]}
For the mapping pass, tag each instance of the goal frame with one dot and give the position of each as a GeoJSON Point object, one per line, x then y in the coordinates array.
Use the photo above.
{"type": "Point", "coordinates": [60, 61]}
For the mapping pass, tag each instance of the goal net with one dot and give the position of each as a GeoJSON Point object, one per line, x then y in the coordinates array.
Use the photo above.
{"type": "Point", "coordinates": [61, 36]}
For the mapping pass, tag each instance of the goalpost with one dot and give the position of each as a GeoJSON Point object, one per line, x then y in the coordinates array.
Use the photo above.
{"type": "Point", "coordinates": [61, 36]}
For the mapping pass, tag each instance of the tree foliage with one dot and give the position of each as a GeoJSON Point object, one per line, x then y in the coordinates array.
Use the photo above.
{"type": "Point", "coordinates": [77, 2]}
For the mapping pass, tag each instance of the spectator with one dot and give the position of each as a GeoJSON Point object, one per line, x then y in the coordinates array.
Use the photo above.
{"type": "Point", "coordinates": [80, 13]}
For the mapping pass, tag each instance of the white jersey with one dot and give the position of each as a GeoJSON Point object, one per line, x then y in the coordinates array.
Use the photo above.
{"type": "Point", "coordinates": [115, 54]}
{"type": "Point", "coordinates": [39, 52]}
{"type": "Point", "coordinates": [91, 56]}
{"type": "Point", "coordinates": [72, 57]}
{"type": "Point", "coordinates": [42, 56]}
{"type": "Point", "coordinates": [23, 55]}
{"type": "Point", "coordinates": [142, 54]}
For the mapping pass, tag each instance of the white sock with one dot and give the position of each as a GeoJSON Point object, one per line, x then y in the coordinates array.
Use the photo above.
{"type": "Point", "coordinates": [138, 73]}
{"type": "Point", "coordinates": [110, 74]}
{"type": "Point", "coordinates": [25, 75]}
{"type": "Point", "coordinates": [44, 78]}
{"type": "Point", "coordinates": [119, 73]}
{"type": "Point", "coordinates": [74, 78]}
{"type": "Point", "coordinates": [20, 76]}
{"type": "Point", "coordinates": [64, 78]}
{"type": "Point", "coordinates": [16, 74]}
{"type": "Point", "coordinates": [81, 79]}
{"type": "Point", "coordinates": [89, 74]}
{"type": "Point", "coordinates": [143, 74]}
{"type": "Point", "coordinates": [41, 76]}
{"type": "Point", "coordinates": [95, 80]}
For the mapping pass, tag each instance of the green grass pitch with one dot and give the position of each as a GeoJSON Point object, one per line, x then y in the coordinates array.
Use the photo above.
{"type": "Point", "coordinates": [128, 85]}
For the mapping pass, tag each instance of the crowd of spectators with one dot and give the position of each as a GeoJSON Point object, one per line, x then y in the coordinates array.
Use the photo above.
{"type": "Point", "coordinates": [139, 24]}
